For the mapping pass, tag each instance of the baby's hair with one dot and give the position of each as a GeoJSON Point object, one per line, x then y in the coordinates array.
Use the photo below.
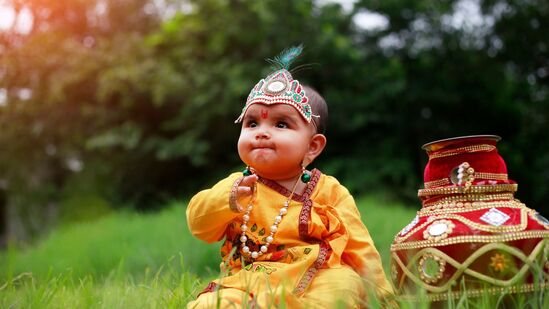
{"type": "Point", "coordinates": [319, 109]}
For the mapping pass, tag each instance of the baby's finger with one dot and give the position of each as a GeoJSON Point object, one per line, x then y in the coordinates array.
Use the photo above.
{"type": "Point", "coordinates": [249, 181]}
{"type": "Point", "coordinates": [244, 191]}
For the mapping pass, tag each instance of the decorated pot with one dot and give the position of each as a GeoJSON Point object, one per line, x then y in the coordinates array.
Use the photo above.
{"type": "Point", "coordinates": [471, 235]}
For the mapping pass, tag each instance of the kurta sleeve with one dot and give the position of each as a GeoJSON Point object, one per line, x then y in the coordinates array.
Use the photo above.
{"type": "Point", "coordinates": [360, 252]}
{"type": "Point", "coordinates": [352, 242]}
{"type": "Point", "coordinates": [208, 212]}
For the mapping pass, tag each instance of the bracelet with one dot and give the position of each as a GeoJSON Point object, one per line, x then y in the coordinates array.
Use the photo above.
{"type": "Point", "coordinates": [233, 203]}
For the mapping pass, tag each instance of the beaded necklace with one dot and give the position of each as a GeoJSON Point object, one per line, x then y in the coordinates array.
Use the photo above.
{"type": "Point", "coordinates": [269, 239]}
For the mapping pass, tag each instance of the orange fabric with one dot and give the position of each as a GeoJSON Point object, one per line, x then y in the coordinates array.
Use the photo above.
{"type": "Point", "coordinates": [337, 241]}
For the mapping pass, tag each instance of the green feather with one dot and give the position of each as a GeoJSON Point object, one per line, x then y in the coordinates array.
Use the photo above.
{"type": "Point", "coordinates": [286, 57]}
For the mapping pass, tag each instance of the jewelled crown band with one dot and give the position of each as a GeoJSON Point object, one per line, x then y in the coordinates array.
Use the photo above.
{"type": "Point", "coordinates": [280, 87]}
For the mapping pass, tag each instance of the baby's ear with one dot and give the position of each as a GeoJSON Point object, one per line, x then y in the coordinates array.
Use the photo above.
{"type": "Point", "coordinates": [316, 146]}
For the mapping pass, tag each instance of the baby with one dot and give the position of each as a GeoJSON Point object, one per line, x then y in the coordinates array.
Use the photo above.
{"type": "Point", "coordinates": [291, 236]}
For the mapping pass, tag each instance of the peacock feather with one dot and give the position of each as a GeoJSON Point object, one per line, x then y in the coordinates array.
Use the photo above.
{"type": "Point", "coordinates": [286, 58]}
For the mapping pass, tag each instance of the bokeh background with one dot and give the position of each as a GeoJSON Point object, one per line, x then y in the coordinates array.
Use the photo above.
{"type": "Point", "coordinates": [127, 105]}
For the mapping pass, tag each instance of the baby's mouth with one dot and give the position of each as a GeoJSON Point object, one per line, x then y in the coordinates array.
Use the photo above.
{"type": "Point", "coordinates": [262, 146]}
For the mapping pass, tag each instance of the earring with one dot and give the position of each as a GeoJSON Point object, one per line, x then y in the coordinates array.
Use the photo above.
{"type": "Point", "coordinates": [247, 171]}
{"type": "Point", "coordinates": [305, 176]}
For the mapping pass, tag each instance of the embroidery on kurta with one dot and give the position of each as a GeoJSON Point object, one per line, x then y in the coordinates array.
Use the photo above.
{"type": "Point", "coordinates": [305, 198]}
{"type": "Point", "coordinates": [212, 286]}
{"type": "Point", "coordinates": [303, 226]}
{"type": "Point", "coordinates": [305, 214]}
{"type": "Point", "coordinates": [323, 255]}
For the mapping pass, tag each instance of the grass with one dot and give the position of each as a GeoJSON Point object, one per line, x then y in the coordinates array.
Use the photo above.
{"type": "Point", "coordinates": [384, 219]}
{"type": "Point", "coordinates": [129, 260]}
{"type": "Point", "coordinates": [125, 260]}
{"type": "Point", "coordinates": [164, 289]}
{"type": "Point", "coordinates": [135, 242]}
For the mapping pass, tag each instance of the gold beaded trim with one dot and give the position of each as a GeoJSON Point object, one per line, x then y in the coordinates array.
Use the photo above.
{"type": "Point", "coordinates": [471, 238]}
{"type": "Point", "coordinates": [523, 288]}
{"type": "Point", "coordinates": [468, 207]}
{"type": "Point", "coordinates": [467, 149]}
{"type": "Point", "coordinates": [444, 208]}
{"type": "Point", "coordinates": [491, 228]}
{"type": "Point", "coordinates": [472, 189]}
{"type": "Point", "coordinates": [400, 239]}
{"type": "Point", "coordinates": [437, 183]}
{"type": "Point", "coordinates": [479, 226]}
{"type": "Point", "coordinates": [478, 175]}
{"type": "Point", "coordinates": [463, 198]}
{"type": "Point", "coordinates": [491, 176]}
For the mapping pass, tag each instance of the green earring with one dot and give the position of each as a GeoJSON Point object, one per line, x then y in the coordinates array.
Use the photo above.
{"type": "Point", "coordinates": [305, 177]}
{"type": "Point", "coordinates": [247, 171]}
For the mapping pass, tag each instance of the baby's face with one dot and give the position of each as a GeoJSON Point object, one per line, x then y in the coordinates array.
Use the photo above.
{"type": "Point", "coordinates": [274, 140]}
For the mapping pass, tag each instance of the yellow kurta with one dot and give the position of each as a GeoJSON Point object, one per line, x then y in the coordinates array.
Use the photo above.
{"type": "Point", "coordinates": [321, 254]}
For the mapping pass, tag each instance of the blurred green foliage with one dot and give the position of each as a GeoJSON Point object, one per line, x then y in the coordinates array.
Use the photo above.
{"type": "Point", "coordinates": [135, 102]}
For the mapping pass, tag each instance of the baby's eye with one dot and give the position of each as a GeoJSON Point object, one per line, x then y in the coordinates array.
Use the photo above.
{"type": "Point", "coordinates": [251, 124]}
{"type": "Point", "coordinates": [282, 125]}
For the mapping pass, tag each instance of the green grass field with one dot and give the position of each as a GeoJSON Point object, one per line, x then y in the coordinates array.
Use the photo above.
{"type": "Point", "coordinates": [129, 260]}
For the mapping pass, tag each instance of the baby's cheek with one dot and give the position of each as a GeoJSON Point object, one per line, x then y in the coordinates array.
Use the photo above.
{"type": "Point", "coordinates": [241, 145]}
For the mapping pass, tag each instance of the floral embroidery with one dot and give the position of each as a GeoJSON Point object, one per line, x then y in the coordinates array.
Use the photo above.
{"type": "Point", "coordinates": [260, 268]}
{"type": "Point", "coordinates": [499, 262]}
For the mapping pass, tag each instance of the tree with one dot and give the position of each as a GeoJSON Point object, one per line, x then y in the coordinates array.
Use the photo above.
{"type": "Point", "coordinates": [49, 76]}
{"type": "Point", "coordinates": [464, 67]}
{"type": "Point", "coordinates": [129, 102]}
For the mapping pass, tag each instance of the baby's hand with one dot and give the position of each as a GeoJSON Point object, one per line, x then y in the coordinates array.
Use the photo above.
{"type": "Point", "coordinates": [246, 186]}
{"type": "Point", "coordinates": [242, 188]}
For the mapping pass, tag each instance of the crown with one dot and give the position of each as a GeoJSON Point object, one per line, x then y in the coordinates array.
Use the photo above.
{"type": "Point", "coordinates": [280, 87]}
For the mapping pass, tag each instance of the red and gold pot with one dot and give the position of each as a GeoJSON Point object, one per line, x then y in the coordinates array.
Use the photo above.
{"type": "Point", "coordinates": [471, 235]}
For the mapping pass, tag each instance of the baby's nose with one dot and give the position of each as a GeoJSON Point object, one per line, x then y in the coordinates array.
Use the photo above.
{"type": "Point", "coordinates": [262, 134]}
